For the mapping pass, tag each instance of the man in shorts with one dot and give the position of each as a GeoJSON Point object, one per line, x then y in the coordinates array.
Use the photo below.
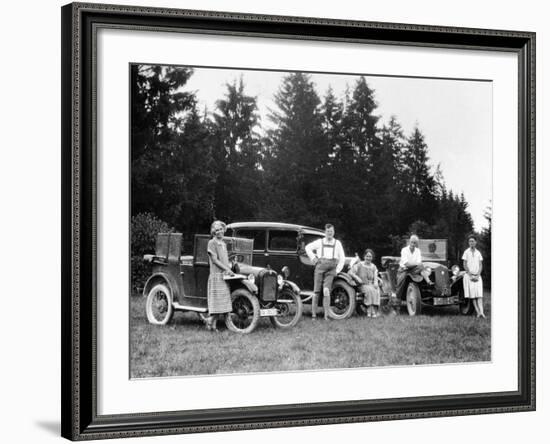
{"type": "Point", "coordinates": [327, 254]}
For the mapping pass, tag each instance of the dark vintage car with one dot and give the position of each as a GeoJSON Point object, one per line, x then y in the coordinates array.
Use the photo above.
{"type": "Point", "coordinates": [445, 290]}
{"type": "Point", "coordinates": [180, 283]}
{"type": "Point", "coordinates": [281, 247]}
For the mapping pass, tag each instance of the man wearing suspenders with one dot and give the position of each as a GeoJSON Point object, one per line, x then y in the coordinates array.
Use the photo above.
{"type": "Point", "coordinates": [327, 254]}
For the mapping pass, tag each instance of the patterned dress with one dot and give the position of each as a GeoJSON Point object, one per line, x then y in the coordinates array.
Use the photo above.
{"type": "Point", "coordinates": [369, 275]}
{"type": "Point", "coordinates": [219, 297]}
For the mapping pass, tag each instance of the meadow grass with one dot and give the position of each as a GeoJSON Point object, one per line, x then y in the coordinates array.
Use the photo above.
{"type": "Point", "coordinates": [185, 347]}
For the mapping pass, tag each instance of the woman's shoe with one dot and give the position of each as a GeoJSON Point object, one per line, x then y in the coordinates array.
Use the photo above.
{"type": "Point", "coordinates": [209, 321]}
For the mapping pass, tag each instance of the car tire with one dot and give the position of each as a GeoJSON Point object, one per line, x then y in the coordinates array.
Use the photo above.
{"type": "Point", "coordinates": [292, 318]}
{"type": "Point", "coordinates": [245, 312]}
{"type": "Point", "coordinates": [342, 300]}
{"type": "Point", "coordinates": [414, 300]}
{"type": "Point", "coordinates": [158, 306]}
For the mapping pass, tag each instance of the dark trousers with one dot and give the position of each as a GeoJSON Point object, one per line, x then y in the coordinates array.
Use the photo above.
{"type": "Point", "coordinates": [402, 274]}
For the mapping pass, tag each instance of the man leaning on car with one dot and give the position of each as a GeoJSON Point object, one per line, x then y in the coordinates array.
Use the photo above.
{"type": "Point", "coordinates": [327, 254]}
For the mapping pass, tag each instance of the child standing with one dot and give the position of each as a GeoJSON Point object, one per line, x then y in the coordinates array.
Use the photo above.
{"type": "Point", "coordinates": [366, 275]}
{"type": "Point", "coordinates": [473, 284]}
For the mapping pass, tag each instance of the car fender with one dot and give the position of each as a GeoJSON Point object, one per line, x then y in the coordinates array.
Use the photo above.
{"type": "Point", "coordinates": [407, 280]}
{"type": "Point", "coordinates": [457, 284]}
{"type": "Point", "coordinates": [292, 286]}
{"type": "Point", "coordinates": [164, 278]}
{"type": "Point", "coordinates": [347, 278]}
{"type": "Point", "coordinates": [250, 286]}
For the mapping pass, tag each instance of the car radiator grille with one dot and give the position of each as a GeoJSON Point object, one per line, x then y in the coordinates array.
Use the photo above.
{"type": "Point", "coordinates": [442, 280]}
{"type": "Point", "coordinates": [269, 287]}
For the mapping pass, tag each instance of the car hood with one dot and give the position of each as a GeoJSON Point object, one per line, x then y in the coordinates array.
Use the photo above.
{"type": "Point", "coordinates": [250, 269]}
{"type": "Point", "coordinates": [395, 259]}
{"type": "Point", "coordinates": [434, 265]}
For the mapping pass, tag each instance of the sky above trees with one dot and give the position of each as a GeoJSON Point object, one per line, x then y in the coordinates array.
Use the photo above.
{"type": "Point", "coordinates": [455, 117]}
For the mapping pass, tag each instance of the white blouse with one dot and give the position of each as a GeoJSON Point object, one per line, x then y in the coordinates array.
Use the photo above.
{"type": "Point", "coordinates": [473, 260]}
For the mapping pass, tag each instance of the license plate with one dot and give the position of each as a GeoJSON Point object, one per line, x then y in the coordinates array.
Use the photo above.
{"type": "Point", "coordinates": [268, 312]}
{"type": "Point", "coordinates": [444, 301]}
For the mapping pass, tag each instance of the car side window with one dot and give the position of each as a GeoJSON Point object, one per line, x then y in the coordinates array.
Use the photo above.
{"type": "Point", "coordinates": [282, 240]}
{"type": "Point", "coordinates": [308, 238]}
{"type": "Point", "coordinates": [258, 236]}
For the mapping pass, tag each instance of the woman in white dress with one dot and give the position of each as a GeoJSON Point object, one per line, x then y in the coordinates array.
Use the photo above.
{"type": "Point", "coordinates": [473, 284]}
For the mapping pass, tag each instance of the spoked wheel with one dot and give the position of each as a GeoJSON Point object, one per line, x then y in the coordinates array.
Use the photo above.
{"type": "Point", "coordinates": [414, 301]}
{"type": "Point", "coordinates": [289, 306]}
{"type": "Point", "coordinates": [158, 306]}
{"type": "Point", "coordinates": [342, 300]}
{"type": "Point", "coordinates": [245, 313]}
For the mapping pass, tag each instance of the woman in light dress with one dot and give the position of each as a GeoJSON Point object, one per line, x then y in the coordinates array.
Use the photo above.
{"type": "Point", "coordinates": [473, 284]}
{"type": "Point", "coordinates": [218, 293]}
{"type": "Point", "coordinates": [365, 274]}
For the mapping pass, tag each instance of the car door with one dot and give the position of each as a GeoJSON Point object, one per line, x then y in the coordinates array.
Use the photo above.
{"type": "Point", "coordinates": [305, 267]}
{"type": "Point", "coordinates": [258, 235]}
{"type": "Point", "coordinates": [282, 250]}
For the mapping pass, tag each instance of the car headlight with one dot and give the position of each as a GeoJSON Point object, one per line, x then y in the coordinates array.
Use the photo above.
{"type": "Point", "coordinates": [428, 270]}
{"type": "Point", "coordinates": [280, 281]}
{"type": "Point", "coordinates": [286, 272]}
{"type": "Point", "coordinates": [251, 278]}
{"type": "Point", "coordinates": [455, 269]}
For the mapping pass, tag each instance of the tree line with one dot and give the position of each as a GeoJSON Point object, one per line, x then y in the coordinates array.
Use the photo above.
{"type": "Point", "coordinates": [319, 159]}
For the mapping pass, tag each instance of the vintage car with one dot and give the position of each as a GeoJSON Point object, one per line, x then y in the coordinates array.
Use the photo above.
{"type": "Point", "coordinates": [281, 246]}
{"type": "Point", "coordinates": [445, 290]}
{"type": "Point", "coordinates": [180, 283]}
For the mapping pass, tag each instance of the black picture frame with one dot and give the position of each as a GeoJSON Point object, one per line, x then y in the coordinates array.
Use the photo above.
{"type": "Point", "coordinates": [79, 395]}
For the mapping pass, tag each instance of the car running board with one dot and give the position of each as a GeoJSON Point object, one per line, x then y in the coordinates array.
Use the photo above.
{"type": "Point", "coordinates": [177, 306]}
{"type": "Point", "coordinates": [306, 295]}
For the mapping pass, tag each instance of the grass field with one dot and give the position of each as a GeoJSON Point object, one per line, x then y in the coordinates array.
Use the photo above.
{"type": "Point", "coordinates": [185, 347]}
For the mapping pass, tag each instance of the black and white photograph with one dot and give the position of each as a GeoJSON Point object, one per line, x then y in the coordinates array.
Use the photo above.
{"type": "Point", "coordinates": [297, 221]}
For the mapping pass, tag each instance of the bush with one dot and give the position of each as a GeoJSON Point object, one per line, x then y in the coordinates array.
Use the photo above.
{"type": "Point", "coordinates": [144, 229]}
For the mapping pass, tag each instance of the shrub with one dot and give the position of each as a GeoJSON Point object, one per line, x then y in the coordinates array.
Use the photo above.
{"type": "Point", "coordinates": [144, 229]}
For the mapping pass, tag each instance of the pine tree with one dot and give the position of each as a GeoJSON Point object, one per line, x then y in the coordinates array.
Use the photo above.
{"type": "Point", "coordinates": [362, 121]}
{"type": "Point", "coordinates": [485, 246]}
{"type": "Point", "coordinates": [383, 186]}
{"type": "Point", "coordinates": [172, 173]}
{"type": "Point", "coordinates": [298, 151]}
{"type": "Point", "coordinates": [237, 153]}
{"type": "Point", "coordinates": [417, 183]}
{"type": "Point", "coordinates": [332, 113]}
{"type": "Point", "coordinates": [417, 178]}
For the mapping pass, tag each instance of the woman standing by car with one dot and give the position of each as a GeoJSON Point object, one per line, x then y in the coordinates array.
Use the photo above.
{"type": "Point", "coordinates": [366, 275]}
{"type": "Point", "coordinates": [473, 284]}
{"type": "Point", "coordinates": [219, 296]}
